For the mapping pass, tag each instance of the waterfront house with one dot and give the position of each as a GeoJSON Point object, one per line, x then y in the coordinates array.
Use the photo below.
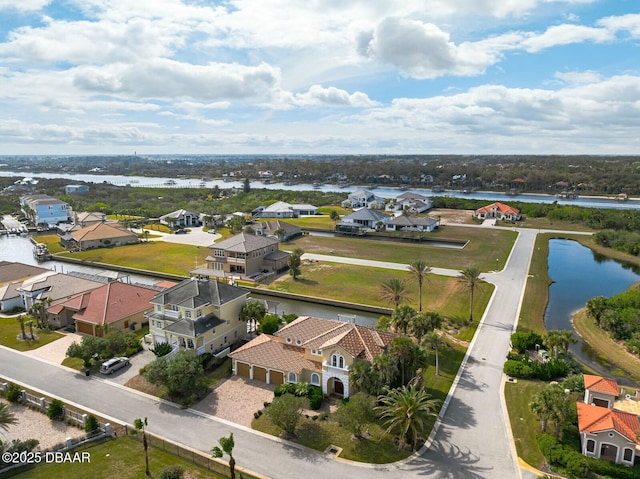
{"type": "Point", "coordinates": [318, 351]}
{"type": "Point", "coordinates": [281, 209]}
{"type": "Point", "coordinates": [412, 223]}
{"type": "Point", "coordinates": [77, 189]}
{"type": "Point", "coordinates": [45, 210]}
{"type": "Point", "coordinates": [88, 218]}
{"type": "Point", "coordinates": [362, 219]}
{"type": "Point", "coordinates": [12, 274]}
{"type": "Point", "coordinates": [277, 229]}
{"type": "Point", "coordinates": [498, 211]}
{"type": "Point", "coordinates": [113, 306]}
{"type": "Point", "coordinates": [363, 199]}
{"type": "Point", "coordinates": [413, 203]}
{"type": "Point", "coordinates": [99, 235]}
{"type": "Point", "coordinates": [245, 256]}
{"type": "Point", "coordinates": [201, 315]}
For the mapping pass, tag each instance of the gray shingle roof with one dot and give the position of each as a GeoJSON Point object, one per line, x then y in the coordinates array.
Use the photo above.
{"type": "Point", "coordinates": [366, 214]}
{"type": "Point", "coordinates": [244, 243]}
{"type": "Point", "coordinates": [194, 327]}
{"type": "Point", "coordinates": [193, 293]}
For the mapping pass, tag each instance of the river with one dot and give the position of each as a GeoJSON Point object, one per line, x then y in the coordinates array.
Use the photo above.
{"type": "Point", "coordinates": [384, 192]}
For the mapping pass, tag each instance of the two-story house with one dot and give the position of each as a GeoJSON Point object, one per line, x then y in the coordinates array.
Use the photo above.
{"type": "Point", "coordinates": [246, 256]}
{"type": "Point", "coordinates": [199, 315]}
{"type": "Point", "coordinates": [412, 203]}
{"type": "Point", "coordinates": [45, 210]}
{"type": "Point", "coordinates": [362, 220]}
{"type": "Point", "coordinates": [318, 351]}
{"type": "Point", "coordinates": [363, 199]}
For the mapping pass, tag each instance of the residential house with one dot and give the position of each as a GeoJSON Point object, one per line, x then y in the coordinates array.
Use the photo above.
{"type": "Point", "coordinates": [600, 391]}
{"type": "Point", "coordinates": [281, 209]}
{"type": "Point", "coordinates": [363, 199]}
{"type": "Point", "coordinates": [277, 229]}
{"type": "Point", "coordinates": [45, 210]}
{"type": "Point", "coordinates": [88, 218]}
{"type": "Point", "coordinates": [412, 223]}
{"type": "Point", "coordinates": [115, 306]}
{"type": "Point", "coordinates": [413, 203]}
{"type": "Point", "coordinates": [198, 315]}
{"type": "Point", "coordinates": [498, 211]}
{"type": "Point", "coordinates": [318, 351]}
{"type": "Point", "coordinates": [181, 218]}
{"type": "Point", "coordinates": [77, 189]}
{"type": "Point", "coordinates": [12, 274]}
{"type": "Point", "coordinates": [245, 255]}
{"type": "Point", "coordinates": [608, 433]}
{"type": "Point", "coordinates": [362, 219]}
{"type": "Point", "coordinates": [99, 235]}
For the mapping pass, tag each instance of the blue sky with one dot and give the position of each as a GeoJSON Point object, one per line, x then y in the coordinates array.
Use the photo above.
{"type": "Point", "coordinates": [320, 76]}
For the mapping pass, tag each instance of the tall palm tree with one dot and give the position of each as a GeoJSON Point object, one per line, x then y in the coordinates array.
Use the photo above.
{"type": "Point", "coordinates": [552, 404]}
{"type": "Point", "coordinates": [406, 412]}
{"type": "Point", "coordinates": [557, 338]}
{"type": "Point", "coordinates": [394, 290]}
{"type": "Point", "coordinates": [434, 341]}
{"type": "Point", "coordinates": [7, 417]}
{"type": "Point", "coordinates": [401, 318]}
{"type": "Point", "coordinates": [252, 313]}
{"type": "Point", "coordinates": [420, 272]}
{"type": "Point", "coordinates": [20, 320]}
{"type": "Point", "coordinates": [422, 324]}
{"type": "Point", "coordinates": [470, 277]}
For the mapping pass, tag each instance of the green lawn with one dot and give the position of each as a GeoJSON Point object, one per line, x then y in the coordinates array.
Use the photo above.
{"type": "Point", "coordinates": [10, 329]}
{"type": "Point", "coordinates": [326, 280]}
{"type": "Point", "coordinates": [321, 222]}
{"type": "Point", "coordinates": [524, 425]}
{"type": "Point", "coordinates": [484, 247]}
{"type": "Point", "coordinates": [122, 457]}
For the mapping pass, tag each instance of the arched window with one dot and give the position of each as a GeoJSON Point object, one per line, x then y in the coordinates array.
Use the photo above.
{"type": "Point", "coordinates": [337, 360]}
{"type": "Point", "coordinates": [293, 378]}
{"type": "Point", "coordinates": [315, 379]}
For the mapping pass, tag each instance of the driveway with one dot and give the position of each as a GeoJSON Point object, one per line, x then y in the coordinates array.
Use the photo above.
{"type": "Point", "coordinates": [55, 351]}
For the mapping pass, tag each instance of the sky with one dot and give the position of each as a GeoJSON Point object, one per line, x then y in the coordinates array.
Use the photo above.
{"type": "Point", "coordinates": [81, 77]}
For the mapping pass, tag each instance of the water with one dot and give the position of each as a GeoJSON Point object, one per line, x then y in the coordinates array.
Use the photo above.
{"type": "Point", "coordinates": [580, 274]}
{"type": "Point", "coordinates": [384, 192]}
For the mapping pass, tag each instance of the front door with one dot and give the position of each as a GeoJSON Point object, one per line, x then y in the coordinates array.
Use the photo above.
{"type": "Point", "coordinates": [338, 387]}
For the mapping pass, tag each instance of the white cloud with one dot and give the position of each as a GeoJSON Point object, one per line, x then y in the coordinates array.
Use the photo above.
{"type": "Point", "coordinates": [317, 95]}
{"type": "Point", "coordinates": [579, 78]}
{"type": "Point", "coordinates": [630, 23]}
{"type": "Point", "coordinates": [23, 5]}
{"type": "Point", "coordinates": [565, 35]}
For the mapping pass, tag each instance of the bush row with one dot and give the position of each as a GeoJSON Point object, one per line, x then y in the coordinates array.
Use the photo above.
{"type": "Point", "coordinates": [313, 393]}
{"type": "Point", "coordinates": [524, 369]}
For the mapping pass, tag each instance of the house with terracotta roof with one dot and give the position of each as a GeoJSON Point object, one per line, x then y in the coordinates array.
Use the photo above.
{"type": "Point", "coordinates": [318, 351]}
{"type": "Point", "coordinates": [114, 306]}
{"type": "Point", "coordinates": [99, 235]}
{"type": "Point", "coordinates": [600, 391]}
{"type": "Point", "coordinates": [246, 256]}
{"type": "Point", "coordinates": [498, 211]}
{"type": "Point", "coordinates": [608, 433]}
{"type": "Point", "coordinates": [198, 315]}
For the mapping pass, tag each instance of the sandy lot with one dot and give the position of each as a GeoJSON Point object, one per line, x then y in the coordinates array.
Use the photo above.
{"type": "Point", "coordinates": [450, 217]}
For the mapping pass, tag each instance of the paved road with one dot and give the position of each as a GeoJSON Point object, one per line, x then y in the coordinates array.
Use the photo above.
{"type": "Point", "coordinates": [472, 441]}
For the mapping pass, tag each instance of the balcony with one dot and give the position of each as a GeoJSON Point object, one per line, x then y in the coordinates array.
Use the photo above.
{"type": "Point", "coordinates": [233, 260]}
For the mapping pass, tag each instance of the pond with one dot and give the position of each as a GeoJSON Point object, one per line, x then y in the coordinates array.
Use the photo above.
{"type": "Point", "coordinates": [579, 274]}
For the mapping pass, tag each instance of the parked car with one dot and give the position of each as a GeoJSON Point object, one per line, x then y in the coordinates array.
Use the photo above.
{"type": "Point", "coordinates": [181, 232]}
{"type": "Point", "coordinates": [212, 231]}
{"type": "Point", "coordinates": [113, 364]}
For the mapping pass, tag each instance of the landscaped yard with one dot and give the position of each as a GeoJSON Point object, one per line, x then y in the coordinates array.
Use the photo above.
{"type": "Point", "coordinates": [123, 458]}
{"type": "Point", "coordinates": [10, 329]}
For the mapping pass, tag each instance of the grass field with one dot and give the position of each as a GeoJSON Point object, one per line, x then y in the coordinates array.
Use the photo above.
{"type": "Point", "coordinates": [484, 247]}
{"type": "Point", "coordinates": [327, 280]}
{"type": "Point", "coordinates": [123, 458]}
{"type": "Point", "coordinates": [524, 425]}
{"type": "Point", "coordinates": [10, 329]}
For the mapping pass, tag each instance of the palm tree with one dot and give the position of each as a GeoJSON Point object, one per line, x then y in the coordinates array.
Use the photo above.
{"type": "Point", "coordinates": [556, 339]}
{"type": "Point", "coordinates": [401, 318]}
{"type": "Point", "coordinates": [7, 417]}
{"type": "Point", "coordinates": [420, 271]}
{"type": "Point", "coordinates": [394, 290]}
{"type": "Point", "coordinates": [20, 320]}
{"type": "Point", "coordinates": [252, 313]}
{"type": "Point", "coordinates": [140, 425]}
{"type": "Point", "coordinates": [433, 340]}
{"type": "Point", "coordinates": [552, 404]}
{"type": "Point", "coordinates": [422, 324]}
{"type": "Point", "coordinates": [30, 324]}
{"type": "Point", "coordinates": [226, 447]}
{"type": "Point", "coordinates": [406, 412]}
{"type": "Point", "coordinates": [470, 277]}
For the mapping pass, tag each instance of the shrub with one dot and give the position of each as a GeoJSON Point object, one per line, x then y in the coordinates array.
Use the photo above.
{"type": "Point", "coordinates": [172, 472]}
{"type": "Point", "coordinates": [91, 424]}
{"type": "Point", "coordinates": [13, 393]}
{"type": "Point", "coordinates": [161, 349]}
{"type": "Point", "coordinates": [315, 397]}
{"type": "Point", "coordinates": [517, 369]}
{"type": "Point", "coordinates": [574, 383]}
{"type": "Point", "coordinates": [522, 342]}
{"type": "Point", "coordinates": [55, 410]}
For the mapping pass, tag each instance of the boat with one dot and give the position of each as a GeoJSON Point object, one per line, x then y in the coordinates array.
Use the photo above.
{"type": "Point", "coordinates": [41, 252]}
{"type": "Point", "coordinates": [622, 197]}
{"type": "Point", "coordinates": [317, 186]}
{"type": "Point", "coordinates": [170, 183]}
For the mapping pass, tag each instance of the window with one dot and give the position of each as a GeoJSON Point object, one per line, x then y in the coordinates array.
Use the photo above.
{"type": "Point", "coordinates": [219, 253]}
{"type": "Point", "coordinates": [187, 314]}
{"type": "Point", "coordinates": [159, 308]}
{"type": "Point", "coordinates": [298, 342]}
{"type": "Point", "coordinates": [591, 445]}
{"type": "Point", "coordinates": [628, 454]}
{"type": "Point", "coordinates": [288, 340]}
{"type": "Point", "coordinates": [315, 379]}
{"type": "Point", "coordinates": [225, 340]}
{"type": "Point", "coordinates": [293, 378]}
{"type": "Point", "coordinates": [337, 360]}
{"type": "Point", "coordinates": [198, 313]}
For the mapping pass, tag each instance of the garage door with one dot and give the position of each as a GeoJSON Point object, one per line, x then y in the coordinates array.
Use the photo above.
{"type": "Point", "coordinates": [276, 377]}
{"type": "Point", "coordinates": [82, 327]}
{"type": "Point", "coordinates": [260, 374]}
{"type": "Point", "coordinates": [242, 369]}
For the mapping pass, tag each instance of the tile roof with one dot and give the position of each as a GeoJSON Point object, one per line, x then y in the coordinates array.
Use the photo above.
{"type": "Point", "coordinates": [594, 419]}
{"type": "Point", "coordinates": [14, 271]}
{"type": "Point", "coordinates": [268, 352]}
{"type": "Point", "coordinates": [501, 207]}
{"type": "Point", "coordinates": [403, 220]}
{"type": "Point", "coordinates": [270, 227]}
{"type": "Point", "coordinates": [600, 384]}
{"type": "Point", "coordinates": [193, 293]}
{"type": "Point", "coordinates": [244, 243]}
{"type": "Point", "coordinates": [100, 231]}
{"type": "Point", "coordinates": [317, 333]}
{"type": "Point", "coordinates": [112, 302]}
